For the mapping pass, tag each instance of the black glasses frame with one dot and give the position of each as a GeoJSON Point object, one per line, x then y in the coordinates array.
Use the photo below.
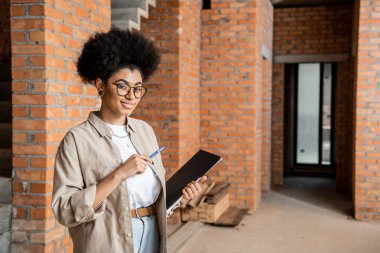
{"type": "Point", "coordinates": [130, 88]}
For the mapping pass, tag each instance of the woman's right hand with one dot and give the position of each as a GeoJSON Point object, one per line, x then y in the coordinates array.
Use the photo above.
{"type": "Point", "coordinates": [135, 164]}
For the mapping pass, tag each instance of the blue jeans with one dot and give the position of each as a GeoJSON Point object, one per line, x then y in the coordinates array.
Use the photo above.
{"type": "Point", "coordinates": [145, 235]}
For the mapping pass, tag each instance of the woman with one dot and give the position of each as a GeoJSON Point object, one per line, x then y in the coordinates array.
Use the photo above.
{"type": "Point", "coordinates": [107, 190]}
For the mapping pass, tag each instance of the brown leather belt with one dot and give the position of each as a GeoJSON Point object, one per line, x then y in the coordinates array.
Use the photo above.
{"type": "Point", "coordinates": [143, 212]}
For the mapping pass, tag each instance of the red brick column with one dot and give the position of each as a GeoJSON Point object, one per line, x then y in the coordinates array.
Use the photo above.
{"type": "Point", "coordinates": [172, 105]}
{"type": "Point", "coordinates": [189, 85]}
{"type": "Point", "coordinates": [367, 113]}
{"type": "Point", "coordinates": [160, 106]}
{"type": "Point", "coordinates": [264, 82]}
{"type": "Point", "coordinates": [231, 101]}
{"type": "Point", "coordinates": [48, 99]}
{"type": "Point", "coordinates": [266, 174]}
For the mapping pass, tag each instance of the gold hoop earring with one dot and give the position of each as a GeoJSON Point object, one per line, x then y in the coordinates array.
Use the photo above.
{"type": "Point", "coordinates": [101, 93]}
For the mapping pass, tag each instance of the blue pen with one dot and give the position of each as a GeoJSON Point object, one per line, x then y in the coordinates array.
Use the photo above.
{"type": "Point", "coordinates": [158, 151]}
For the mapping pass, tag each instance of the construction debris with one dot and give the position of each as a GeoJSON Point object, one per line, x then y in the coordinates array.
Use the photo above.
{"type": "Point", "coordinates": [212, 206]}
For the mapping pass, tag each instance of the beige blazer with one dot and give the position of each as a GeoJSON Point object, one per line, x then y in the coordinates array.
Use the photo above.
{"type": "Point", "coordinates": [85, 156]}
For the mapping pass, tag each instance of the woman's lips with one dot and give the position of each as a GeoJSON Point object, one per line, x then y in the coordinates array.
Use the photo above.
{"type": "Point", "coordinates": [128, 105]}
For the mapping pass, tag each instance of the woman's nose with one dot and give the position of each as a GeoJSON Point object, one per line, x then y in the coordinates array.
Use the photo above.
{"type": "Point", "coordinates": [130, 94]}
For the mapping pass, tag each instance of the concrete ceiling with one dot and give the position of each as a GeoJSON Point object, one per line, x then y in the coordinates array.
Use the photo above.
{"type": "Point", "coordinates": [291, 3]}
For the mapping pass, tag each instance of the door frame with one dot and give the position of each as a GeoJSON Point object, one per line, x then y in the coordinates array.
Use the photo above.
{"type": "Point", "coordinates": [291, 168]}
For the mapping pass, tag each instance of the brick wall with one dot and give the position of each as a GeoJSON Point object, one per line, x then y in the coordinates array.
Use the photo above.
{"type": "Point", "coordinates": [367, 119]}
{"type": "Point", "coordinates": [189, 86]}
{"type": "Point", "coordinates": [172, 105]}
{"type": "Point", "coordinates": [264, 83]}
{"type": "Point", "coordinates": [313, 31]}
{"type": "Point", "coordinates": [160, 106]}
{"type": "Point", "coordinates": [230, 96]}
{"type": "Point", "coordinates": [266, 175]}
{"type": "Point", "coordinates": [48, 99]}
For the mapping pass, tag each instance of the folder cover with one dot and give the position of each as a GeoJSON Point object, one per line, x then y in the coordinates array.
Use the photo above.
{"type": "Point", "coordinates": [196, 167]}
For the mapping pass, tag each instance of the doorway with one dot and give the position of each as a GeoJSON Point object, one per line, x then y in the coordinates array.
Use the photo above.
{"type": "Point", "coordinates": [310, 119]}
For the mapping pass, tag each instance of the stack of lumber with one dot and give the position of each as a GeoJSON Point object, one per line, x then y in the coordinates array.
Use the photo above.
{"type": "Point", "coordinates": [209, 205]}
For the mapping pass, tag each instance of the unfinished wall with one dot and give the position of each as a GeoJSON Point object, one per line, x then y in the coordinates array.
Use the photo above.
{"type": "Point", "coordinates": [172, 104]}
{"type": "Point", "coordinates": [231, 101]}
{"type": "Point", "coordinates": [367, 110]}
{"type": "Point", "coordinates": [264, 83]}
{"type": "Point", "coordinates": [48, 99]}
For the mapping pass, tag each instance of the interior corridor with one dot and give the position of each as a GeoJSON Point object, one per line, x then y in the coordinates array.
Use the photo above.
{"type": "Point", "coordinates": [306, 215]}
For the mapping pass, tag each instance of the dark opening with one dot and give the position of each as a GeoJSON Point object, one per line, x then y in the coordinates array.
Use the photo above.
{"type": "Point", "coordinates": [5, 91]}
{"type": "Point", "coordinates": [206, 5]}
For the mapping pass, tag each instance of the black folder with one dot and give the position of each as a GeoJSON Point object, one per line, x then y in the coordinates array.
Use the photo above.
{"type": "Point", "coordinates": [192, 170]}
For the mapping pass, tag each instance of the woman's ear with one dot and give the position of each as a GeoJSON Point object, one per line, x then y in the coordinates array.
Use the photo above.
{"type": "Point", "coordinates": [99, 86]}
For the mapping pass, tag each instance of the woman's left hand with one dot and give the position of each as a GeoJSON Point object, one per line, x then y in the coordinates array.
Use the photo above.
{"type": "Point", "coordinates": [193, 189]}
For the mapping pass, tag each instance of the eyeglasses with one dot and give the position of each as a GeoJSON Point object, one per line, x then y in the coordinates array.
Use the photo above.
{"type": "Point", "coordinates": [123, 89]}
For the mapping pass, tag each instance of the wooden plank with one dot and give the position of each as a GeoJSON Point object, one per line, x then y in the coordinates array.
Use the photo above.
{"type": "Point", "coordinates": [200, 199]}
{"type": "Point", "coordinates": [231, 217]}
{"type": "Point", "coordinates": [215, 211]}
{"type": "Point", "coordinates": [193, 214]}
{"type": "Point", "coordinates": [207, 191]}
{"type": "Point", "coordinates": [198, 210]}
{"type": "Point", "coordinates": [185, 214]}
{"type": "Point", "coordinates": [217, 188]}
{"type": "Point", "coordinates": [217, 193]}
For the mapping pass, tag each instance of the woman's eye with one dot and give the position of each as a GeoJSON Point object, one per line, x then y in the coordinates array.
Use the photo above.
{"type": "Point", "coordinates": [139, 88]}
{"type": "Point", "coordinates": [122, 86]}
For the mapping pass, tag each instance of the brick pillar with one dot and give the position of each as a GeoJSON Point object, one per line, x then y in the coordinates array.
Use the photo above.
{"type": "Point", "coordinates": [48, 99]}
{"type": "Point", "coordinates": [266, 127]}
{"type": "Point", "coordinates": [189, 85]}
{"type": "Point", "coordinates": [264, 58]}
{"type": "Point", "coordinates": [367, 112]}
{"type": "Point", "coordinates": [160, 105]}
{"type": "Point", "coordinates": [172, 105]}
{"type": "Point", "coordinates": [231, 102]}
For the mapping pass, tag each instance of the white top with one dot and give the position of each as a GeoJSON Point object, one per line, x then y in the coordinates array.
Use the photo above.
{"type": "Point", "coordinates": [143, 189]}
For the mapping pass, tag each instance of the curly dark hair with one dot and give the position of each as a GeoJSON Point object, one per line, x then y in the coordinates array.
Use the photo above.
{"type": "Point", "coordinates": [106, 53]}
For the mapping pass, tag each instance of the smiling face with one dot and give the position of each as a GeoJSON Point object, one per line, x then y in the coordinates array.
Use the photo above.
{"type": "Point", "coordinates": [114, 107]}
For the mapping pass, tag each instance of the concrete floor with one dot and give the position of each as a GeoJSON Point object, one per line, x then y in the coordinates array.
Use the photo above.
{"type": "Point", "coordinates": [304, 216]}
